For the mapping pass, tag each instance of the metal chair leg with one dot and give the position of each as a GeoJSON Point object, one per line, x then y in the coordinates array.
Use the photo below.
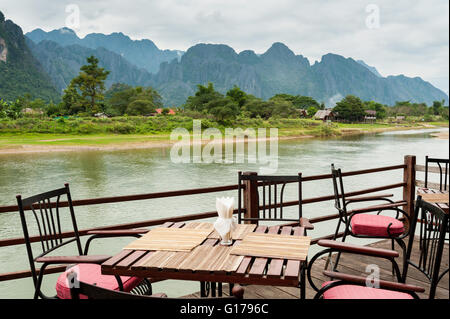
{"type": "Point", "coordinates": [338, 256]}
{"type": "Point", "coordinates": [303, 283]}
{"type": "Point", "coordinates": [202, 289]}
{"type": "Point", "coordinates": [393, 248]}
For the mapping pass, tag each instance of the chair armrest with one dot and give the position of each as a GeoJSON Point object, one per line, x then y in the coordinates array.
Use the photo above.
{"type": "Point", "coordinates": [358, 280]}
{"type": "Point", "coordinates": [304, 222]}
{"type": "Point", "coordinates": [357, 249]}
{"type": "Point", "coordinates": [238, 292]}
{"type": "Point", "coordinates": [377, 207]}
{"type": "Point", "coordinates": [118, 233]}
{"type": "Point", "coordinates": [94, 259]}
{"type": "Point", "coordinates": [368, 198]}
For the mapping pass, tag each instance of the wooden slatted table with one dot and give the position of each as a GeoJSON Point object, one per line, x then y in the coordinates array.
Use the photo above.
{"type": "Point", "coordinates": [443, 206]}
{"type": "Point", "coordinates": [206, 263]}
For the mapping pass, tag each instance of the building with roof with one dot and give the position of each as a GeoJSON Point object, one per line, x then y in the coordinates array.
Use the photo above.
{"type": "Point", "coordinates": [325, 115]}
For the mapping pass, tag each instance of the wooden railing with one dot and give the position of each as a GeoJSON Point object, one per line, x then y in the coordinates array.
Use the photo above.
{"type": "Point", "coordinates": [431, 169]}
{"type": "Point", "coordinates": [250, 205]}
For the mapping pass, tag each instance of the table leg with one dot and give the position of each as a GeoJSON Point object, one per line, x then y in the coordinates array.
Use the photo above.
{"type": "Point", "coordinates": [213, 289]}
{"type": "Point", "coordinates": [202, 289]}
{"type": "Point", "coordinates": [302, 283]}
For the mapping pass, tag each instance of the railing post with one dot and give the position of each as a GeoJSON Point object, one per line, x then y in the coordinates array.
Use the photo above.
{"type": "Point", "coordinates": [251, 203]}
{"type": "Point", "coordinates": [409, 190]}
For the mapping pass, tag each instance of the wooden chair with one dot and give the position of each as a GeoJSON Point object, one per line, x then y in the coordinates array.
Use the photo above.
{"type": "Point", "coordinates": [358, 223]}
{"type": "Point", "coordinates": [434, 227]}
{"type": "Point", "coordinates": [49, 217]}
{"type": "Point", "coordinates": [345, 286]}
{"type": "Point", "coordinates": [270, 199]}
{"type": "Point", "coordinates": [442, 166]}
{"type": "Point", "coordinates": [87, 291]}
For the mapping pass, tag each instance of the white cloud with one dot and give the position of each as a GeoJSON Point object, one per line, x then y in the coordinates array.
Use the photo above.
{"type": "Point", "coordinates": [412, 38]}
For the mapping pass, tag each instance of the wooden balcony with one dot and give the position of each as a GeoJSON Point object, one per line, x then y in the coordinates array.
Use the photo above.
{"type": "Point", "coordinates": [352, 264]}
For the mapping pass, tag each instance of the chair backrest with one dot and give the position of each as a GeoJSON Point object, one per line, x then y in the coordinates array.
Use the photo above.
{"type": "Point", "coordinates": [435, 224]}
{"type": "Point", "coordinates": [96, 292]}
{"type": "Point", "coordinates": [271, 192]}
{"type": "Point", "coordinates": [46, 210]}
{"type": "Point", "coordinates": [442, 165]}
{"type": "Point", "coordinates": [339, 194]}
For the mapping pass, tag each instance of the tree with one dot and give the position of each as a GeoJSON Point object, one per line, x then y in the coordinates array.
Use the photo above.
{"type": "Point", "coordinates": [282, 108]}
{"type": "Point", "coordinates": [298, 101]}
{"type": "Point", "coordinates": [311, 111]}
{"type": "Point", "coordinates": [148, 95]}
{"type": "Point", "coordinates": [350, 109]}
{"type": "Point", "coordinates": [238, 96]}
{"type": "Point", "coordinates": [378, 107]}
{"type": "Point", "coordinates": [122, 97]}
{"type": "Point", "coordinates": [12, 110]}
{"type": "Point", "coordinates": [90, 86]}
{"type": "Point", "coordinates": [72, 100]}
{"type": "Point", "coordinates": [3, 107]}
{"type": "Point", "coordinates": [140, 107]}
{"type": "Point", "coordinates": [54, 109]}
{"type": "Point", "coordinates": [202, 97]}
{"type": "Point", "coordinates": [437, 107]}
{"type": "Point", "coordinates": [258, 108]}
{"type": "Point", "coordinates": [224, 109]}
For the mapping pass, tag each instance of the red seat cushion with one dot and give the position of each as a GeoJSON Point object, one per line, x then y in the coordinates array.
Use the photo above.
{"type": "Point", "coordinates": [362, 292]}
{"type": "Point", "coordinates": [376, 225]}
{"type": "Point", "coordinates": [91, 274]}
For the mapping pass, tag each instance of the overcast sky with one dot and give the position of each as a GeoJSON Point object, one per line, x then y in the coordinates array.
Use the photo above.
{"type": "Point", "coordinates": [397, 37]}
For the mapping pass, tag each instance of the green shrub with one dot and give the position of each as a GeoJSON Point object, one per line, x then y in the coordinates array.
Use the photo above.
{"type": "Point", "coordinates": [121, 128]}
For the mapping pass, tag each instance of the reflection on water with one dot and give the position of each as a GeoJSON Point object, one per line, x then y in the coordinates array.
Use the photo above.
{"type": "Point", "coordinates": [100, 174]}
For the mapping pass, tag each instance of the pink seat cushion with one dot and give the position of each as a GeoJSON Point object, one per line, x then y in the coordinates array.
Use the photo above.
{"type": "Point", "coordinates": [376, 225]}
{"type": "Point", "coordinates": [91, 274]}
{"type": "Point", "coordinates": [361, 292]}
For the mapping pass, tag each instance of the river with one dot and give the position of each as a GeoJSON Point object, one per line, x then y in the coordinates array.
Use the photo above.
{"type": "Point", "coordinates": [111, 173]}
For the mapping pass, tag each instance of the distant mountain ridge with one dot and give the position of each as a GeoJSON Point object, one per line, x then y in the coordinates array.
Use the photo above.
{"type": "Point", "coordinates": [176, 74]}
{"type": "Point", "coordinates": [142, 53]}
{"type": "Point", "coordinates": [62, 63]}
{"type": "Point", "coordinates": [279, 70]}
{"type": "Point", "coordinates": [371, 68]}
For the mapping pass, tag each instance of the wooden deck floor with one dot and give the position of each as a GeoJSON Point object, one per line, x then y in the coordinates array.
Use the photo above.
{"type": "Point", "coordinates": [356, 265]}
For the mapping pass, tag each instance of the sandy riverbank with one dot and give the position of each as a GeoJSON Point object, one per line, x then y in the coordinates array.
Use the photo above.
{"type": "Point", "coordinates": [165, 143]}
{"type": "Point", "coordinates": [441, 135]}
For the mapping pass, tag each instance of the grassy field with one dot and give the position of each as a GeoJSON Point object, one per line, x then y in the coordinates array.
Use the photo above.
{"type": "Point", "coordinates": [35, 132]}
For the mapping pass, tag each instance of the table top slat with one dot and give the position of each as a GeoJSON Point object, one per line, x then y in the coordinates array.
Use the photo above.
{"type": "Point", "coordinates": [116, 258]}
{"type": "Point", "coordinates": [292, 269]}
{"type": "Point", "coordinates": [259, 264]}
{"type": "Point", "coordinates": [275, 267]}
{"type": "Point", "coordinates": [131, 259]}
{"type": "Point", "coordinates": [246, 262]}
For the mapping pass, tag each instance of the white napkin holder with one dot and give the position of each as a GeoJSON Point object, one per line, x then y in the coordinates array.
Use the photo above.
{"type": "Point", "coordinates": [225, 223]}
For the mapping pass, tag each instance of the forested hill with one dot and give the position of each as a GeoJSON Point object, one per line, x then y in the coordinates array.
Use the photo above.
{"type": "Point", "coordinates": [20, 72]}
